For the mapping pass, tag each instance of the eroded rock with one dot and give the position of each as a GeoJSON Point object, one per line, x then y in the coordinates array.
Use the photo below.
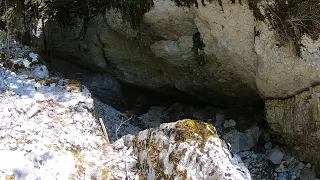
{"type": "Point", "coordinates": [242, 141]}
{"type": "Point", "coordinates": [297, 119]}
{"type": "Point", "coordinates": [275, 156]}
{"type": "Point", "coordinates": [184, 149]}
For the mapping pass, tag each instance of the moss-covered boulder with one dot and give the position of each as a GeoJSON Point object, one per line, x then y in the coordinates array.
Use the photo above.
{"type": "Point", "coordinates": [187, 149]}
{"type": "Point", "coordinates": [296, 122]}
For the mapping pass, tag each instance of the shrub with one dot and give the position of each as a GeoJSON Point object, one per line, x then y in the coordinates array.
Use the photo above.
{"type": "Point", "coordinates": [291, 19]}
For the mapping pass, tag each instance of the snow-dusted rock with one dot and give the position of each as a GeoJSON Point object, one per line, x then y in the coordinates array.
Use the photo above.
{"type": "Point", "coordinates": [48, 129]}
{"type": "Point", "coordinates": [185, 149]}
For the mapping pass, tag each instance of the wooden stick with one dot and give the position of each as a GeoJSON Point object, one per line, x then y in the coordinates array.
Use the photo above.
{"type": "Point", "coordinates": [104, 130]}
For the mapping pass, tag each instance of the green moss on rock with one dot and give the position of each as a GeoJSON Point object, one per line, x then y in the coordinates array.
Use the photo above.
{"type": "Point", "coordinates": [154, 142]}
{"type": "Point", "coordinates": [187, 130]}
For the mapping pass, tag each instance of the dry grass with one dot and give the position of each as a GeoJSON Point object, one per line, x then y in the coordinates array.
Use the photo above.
{"type": "Point", "coordinates": [291, 19]}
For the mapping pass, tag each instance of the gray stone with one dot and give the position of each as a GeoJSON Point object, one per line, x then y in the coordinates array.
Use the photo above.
{"type": "Point", "coordinates": [308, 174]}
{"type": "Point", "coordinates": [220, 115]}
{"type": "Point", "coordinates": [308, 165]}
{"type": "Point", "coordinates": [301, 165]}
{"type": "Point", "coordinates": [268, 145]}
{"type": "Point", "coordinates": [242, 141]}
{"type": "Point", "coordinates": [275, 156]}
{"type": "Point", "coordinates": [229, 123]}
{"type": "Point", "coordinates": [266, 136]}
{"type": "Point", "coordinates": [290, 164]}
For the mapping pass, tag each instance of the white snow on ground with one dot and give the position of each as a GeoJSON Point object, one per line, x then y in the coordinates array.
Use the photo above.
{"type": "Point", "coordinates": [37, 164]}
{"type": "Point", "coordinates": [47, 127]}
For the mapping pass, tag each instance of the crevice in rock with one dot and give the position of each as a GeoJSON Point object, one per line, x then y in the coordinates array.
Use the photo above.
{"type": "Point", "coordinates": [138, 100]}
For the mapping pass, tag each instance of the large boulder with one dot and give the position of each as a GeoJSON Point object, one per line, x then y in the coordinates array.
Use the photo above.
{"type": "Point", "coordinates": [296, 122]}
{"type": "Point", "coordinates": [204, 51]}
{"type": "Point", "coordinates": [217, 52]}
{"type": "Point", "coordinates": [185, 149]}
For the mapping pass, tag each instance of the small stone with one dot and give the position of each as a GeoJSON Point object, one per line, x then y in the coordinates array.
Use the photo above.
{"type": "Point", "coordinates": [254, 156]}
{"type": "Point", "coordinates": [282, 176]}
{"type": "Point", "coordinates": [220, 116]}
{"type": "Point", "coordinates": [218, 124]}
{"type": "Point", "coordinates": [275, 156]}
{"type": "Point", "coordinates": [268, 145]}
{"type": "Point", "coordinates": [230, 123]}
{"type": "Point", "coordinates": [301, 165]}
{"type": "Point", "coordinates": [308, 165]}
{"type": "Point", "coordinates": [33, 111]}
{"type": "Point", "coordinates": [119, 144]}
{"type": "Point", "coordinates": [266, 137]}
{"type": "Point", "coordinates": [242, 141]}
{"type": "Point", "coordinates": [79, 109]}
{"type": "Point", "coordinates": [307, 174]}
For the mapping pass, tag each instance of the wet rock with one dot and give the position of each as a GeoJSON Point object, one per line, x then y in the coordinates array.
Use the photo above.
{"type": "Point", "coordinates": [275, 156]}
{"type": "Point", "coordinates": [242, 141]}
{"type": "Point", "coordinates": [184, 149]}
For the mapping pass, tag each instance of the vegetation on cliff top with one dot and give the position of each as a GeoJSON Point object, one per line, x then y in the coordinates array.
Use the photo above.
{"type": "Point", "coordinates": [290, 19]}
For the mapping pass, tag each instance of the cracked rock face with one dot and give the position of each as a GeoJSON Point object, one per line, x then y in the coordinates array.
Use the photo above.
{"type": "Point", "coordinates": [209, 52]}
{"type": "Point", "coordinates": [296, 120]}
{"type": "Point", "coordinates": [185, 149]}
{"type": "Point", "coordinates": [203, 51]}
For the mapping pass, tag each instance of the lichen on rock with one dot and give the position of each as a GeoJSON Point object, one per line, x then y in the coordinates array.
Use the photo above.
{"type": "Point", "coordinates": [186, 149]}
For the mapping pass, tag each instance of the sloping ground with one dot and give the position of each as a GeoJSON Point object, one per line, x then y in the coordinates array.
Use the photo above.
{"type": "Point", "coordinates": [48, 131]}
{"type": "Point", "coordinates": [47, 127]}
